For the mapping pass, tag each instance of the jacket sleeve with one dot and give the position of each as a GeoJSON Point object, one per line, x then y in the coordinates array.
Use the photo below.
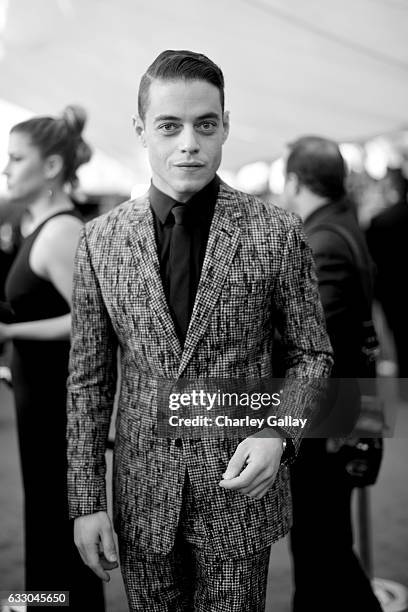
{"type": "Point", "coordinates": [91, 388]}
{"type": "Point", "coordinates": [306, 349]}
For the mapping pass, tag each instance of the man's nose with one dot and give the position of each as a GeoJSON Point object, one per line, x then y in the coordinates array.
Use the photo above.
{"type": "Point", "coordinates": [188, 141]}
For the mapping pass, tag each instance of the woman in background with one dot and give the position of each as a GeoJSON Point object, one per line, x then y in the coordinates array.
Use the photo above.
{"type": "Point", "coordinates": [44, 155]}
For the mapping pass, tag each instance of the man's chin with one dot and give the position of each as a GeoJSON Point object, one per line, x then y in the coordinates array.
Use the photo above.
{"type": "Point", "coordinates": [191, 185]}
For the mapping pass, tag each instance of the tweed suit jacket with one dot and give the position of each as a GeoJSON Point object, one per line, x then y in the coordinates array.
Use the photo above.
{"type": "Point", "coordinates": [257, 275]}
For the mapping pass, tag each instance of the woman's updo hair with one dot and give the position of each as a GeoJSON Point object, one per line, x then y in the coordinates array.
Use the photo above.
{"type": "Point", "coordinates": [60, 136]}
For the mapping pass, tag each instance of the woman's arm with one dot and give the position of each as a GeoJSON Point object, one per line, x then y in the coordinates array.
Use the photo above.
{"type": "Point", "coordinates": [51, 258]}
{"type": "Point", "coordinates": [58, 328]}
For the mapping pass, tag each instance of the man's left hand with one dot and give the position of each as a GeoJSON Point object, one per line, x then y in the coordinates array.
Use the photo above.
{"type": "Point", "coordinates": [253, 467]}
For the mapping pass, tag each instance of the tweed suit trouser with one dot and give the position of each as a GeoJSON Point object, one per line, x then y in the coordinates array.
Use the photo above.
{"type": "Point", "coordinates": [191, 579]}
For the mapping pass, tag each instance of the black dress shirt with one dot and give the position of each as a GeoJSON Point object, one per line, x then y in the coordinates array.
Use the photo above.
{"type": "Point", "coordinates": [201, 210]}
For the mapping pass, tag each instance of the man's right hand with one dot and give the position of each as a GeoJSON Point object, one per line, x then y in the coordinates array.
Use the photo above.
{"type": "Point", "coordinates": [93, 536]}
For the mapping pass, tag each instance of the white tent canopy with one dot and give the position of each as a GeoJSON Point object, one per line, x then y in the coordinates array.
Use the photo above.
{"type": "Point", "coordinates": [291, 67]}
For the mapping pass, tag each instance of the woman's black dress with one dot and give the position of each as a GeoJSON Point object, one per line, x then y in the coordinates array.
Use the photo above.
{"type": "Point", "coordinates": [40, 370]}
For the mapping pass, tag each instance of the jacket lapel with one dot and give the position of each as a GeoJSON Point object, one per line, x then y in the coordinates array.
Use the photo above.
{"type": "Point", "coordinates": [142, 243]}
{"type": "Point", "coordinates": [221, 248]}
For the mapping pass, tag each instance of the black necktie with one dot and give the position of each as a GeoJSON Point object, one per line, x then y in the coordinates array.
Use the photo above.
{"type": "Point", "coordinates": [179, 294]}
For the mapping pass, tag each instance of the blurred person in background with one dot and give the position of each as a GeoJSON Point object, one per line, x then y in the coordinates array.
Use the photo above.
{"type": "Point", "coordinates": [327, 573]}
{"type": "Point", "coordinates": [44, 155]}
{"type": "Point", "coordinates": [10, 240]}
{"type": "Point", "coordinates": [387, 238]}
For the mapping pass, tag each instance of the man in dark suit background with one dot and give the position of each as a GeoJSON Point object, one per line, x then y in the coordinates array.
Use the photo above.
{"type": "Point", "coordinates": [328, 575]}
{"type": "Point", "coordinates": [190, 281]}
{"type": "Point", "coordinates": [387, 240]}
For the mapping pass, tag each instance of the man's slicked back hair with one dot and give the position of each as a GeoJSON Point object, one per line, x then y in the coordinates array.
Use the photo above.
{"type": "Point", "coordinates": [318, 165]}
{"type": "Point", "coordinates": [173, 65]}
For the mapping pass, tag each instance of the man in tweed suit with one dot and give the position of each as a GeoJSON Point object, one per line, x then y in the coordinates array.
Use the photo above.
{"type": "Point", "coordinates": [195, 518]}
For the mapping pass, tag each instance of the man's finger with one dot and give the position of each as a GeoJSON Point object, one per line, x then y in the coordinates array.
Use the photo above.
{"type": "Point", "coordinates": [257, 482]}
{"type": "Point", "coordinates": [246, 477]}
{"type": "Point", "coordinates": [258, 490]}
{"type": "Point", "coordinates": [107, 546]}
{"type": "Point", "coordinates": [266, 475]}
{"type": "Point", "coordinates": [236, 463]}
{"type": "Point", "coordinates": [108, 565]}
{"type": "Point", "coordinates": [93, 561]}
{"type": "Point", "coordinates": [82, 555]}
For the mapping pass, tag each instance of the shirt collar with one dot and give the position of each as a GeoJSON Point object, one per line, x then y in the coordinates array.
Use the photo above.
{"type": "Point", "coordinates": [202, 202]}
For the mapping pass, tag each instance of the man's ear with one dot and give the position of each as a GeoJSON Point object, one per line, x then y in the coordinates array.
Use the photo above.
{"type": "Point", "coordinates": [139, 128]}
{"type": "Point", "coordinates": [53, 165]}
{"type": "Point", "coordinates": [293, 180]}
{"type": "Point", "coordinates": [226, 125]}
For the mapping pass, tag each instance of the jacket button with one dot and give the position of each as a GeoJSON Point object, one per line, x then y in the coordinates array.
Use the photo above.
{"type": "Point", "coordinates": [178, 442]}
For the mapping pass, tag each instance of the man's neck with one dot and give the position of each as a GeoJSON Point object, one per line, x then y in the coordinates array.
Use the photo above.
{"type": "Point", "coordinates": [183, 197]}
{"type": "Point", "coordinates": [309, 203]}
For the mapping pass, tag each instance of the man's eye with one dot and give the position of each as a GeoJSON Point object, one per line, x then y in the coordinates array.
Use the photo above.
{"type": "Point", "coordinates": [168, 127]}
{"type": "Point", "coordinates": [208, 126]}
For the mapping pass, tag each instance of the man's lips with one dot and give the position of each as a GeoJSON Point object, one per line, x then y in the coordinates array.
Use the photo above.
{"type": "Point", "coordinates": [189, 165]}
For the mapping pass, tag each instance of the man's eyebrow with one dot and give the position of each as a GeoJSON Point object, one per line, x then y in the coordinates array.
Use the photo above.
{"type": "Point", "coordinates": [209, 115]}
{"type": "Point", "coordinates": [166, 118]}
